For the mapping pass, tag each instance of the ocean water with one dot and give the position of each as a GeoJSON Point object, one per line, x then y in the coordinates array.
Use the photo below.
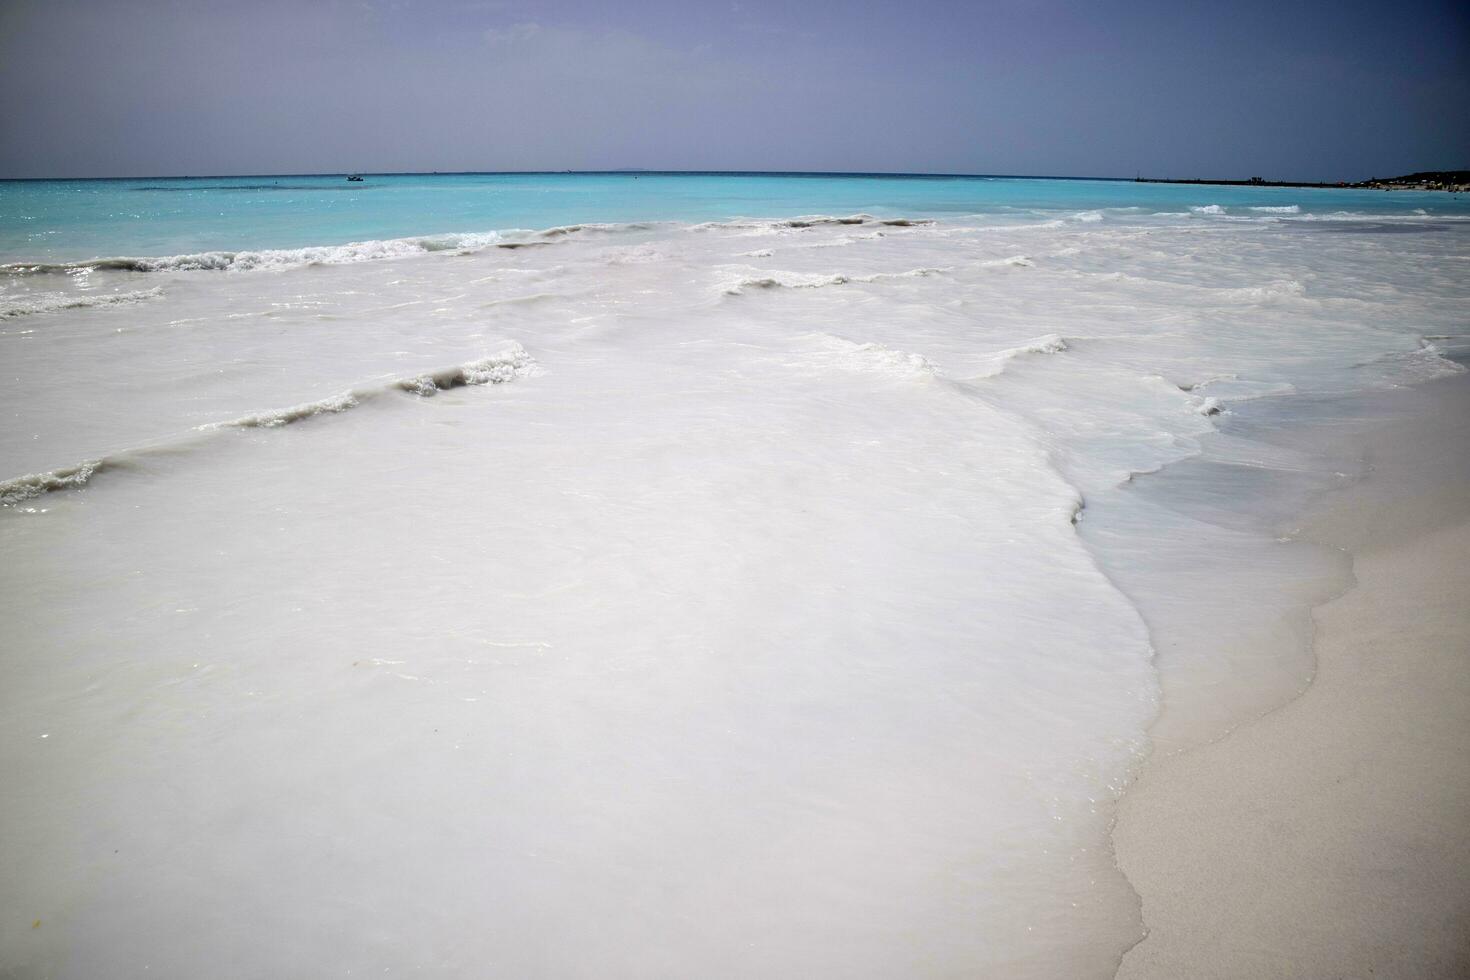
{"type": "Point", "coordinates": [653, 575]}
{"type": "Point", "coordinates": [64, 220]}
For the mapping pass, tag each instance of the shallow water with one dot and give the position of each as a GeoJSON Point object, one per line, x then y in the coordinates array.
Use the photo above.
{"type": "Point", "coordinates": [731, 597]}
{"type": "Point", "coordinates": [65, 220]}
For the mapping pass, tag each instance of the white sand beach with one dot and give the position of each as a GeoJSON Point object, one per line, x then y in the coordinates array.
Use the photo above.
{"type": "Point", "coordinates": [1331, 838]}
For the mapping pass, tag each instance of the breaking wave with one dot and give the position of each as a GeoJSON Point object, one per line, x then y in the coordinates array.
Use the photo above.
{"type": "Point", "coordinates": [795, 280]}
{"type": "Point", "coordinates": [31, 485]}
{"type": "Point", "coordinates": [1425, 363]}
{"type": "Point", "coordinates": [1286, 209]}
{"type": "Point", "coordinates": [290, 258]}
{"type": "Point", "coordinates": [509, 364]}
{"type": "Point", "coordinates": [562, 231]}
{"type": "Point", "coordinates": [813, 220]}
{"type": "Point", "coordinates": [266, 258]}
{"type": "Point", "coordinates": [285, 416]}
{"type": "Point", "coordinates": [808, 221]}
{"type": "Point", "coordinates": [52, 302]}
{"type": "Point", "coordinates": [395, 248]}
{"type": "Point", "coordinates": [1047, 344]}
{"type": "Point", "coordinates": [1209, 406]}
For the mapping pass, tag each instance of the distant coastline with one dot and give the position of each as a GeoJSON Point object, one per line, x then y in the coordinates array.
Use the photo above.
{"type": "Point", "coordinates": [1455, 181]}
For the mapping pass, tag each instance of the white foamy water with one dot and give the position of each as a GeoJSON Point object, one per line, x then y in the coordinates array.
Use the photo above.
{"type": "Point", "coordinates": [750, 599]}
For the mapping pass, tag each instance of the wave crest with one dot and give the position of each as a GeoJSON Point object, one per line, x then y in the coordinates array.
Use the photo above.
{"type": "Point", "coordinates": [1051, 343]}
{"type": "Point", "coordinates": [509, 364]}
{"type": "Point", "coordinates": [796, 280]}
{"type": "Point", "coordinates": [31, 485]}
{"type": "Point", "coordinates": [276, 258]}
{"type": "Point", "coordinates": [245, 260]}
{"type": "Point", "coordinates": [54, 302]}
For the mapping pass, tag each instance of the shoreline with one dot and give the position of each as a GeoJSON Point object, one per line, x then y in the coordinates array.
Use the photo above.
{"type": "Point", "coordinates": [1326, 838]}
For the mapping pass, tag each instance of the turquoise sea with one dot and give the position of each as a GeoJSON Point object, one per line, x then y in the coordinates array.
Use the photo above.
{"type": "Point", "coordinates": [66, 220]}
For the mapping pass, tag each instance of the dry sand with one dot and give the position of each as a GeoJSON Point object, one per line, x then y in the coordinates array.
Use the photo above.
{"type": "Point", "coordinates": [1331, 838]}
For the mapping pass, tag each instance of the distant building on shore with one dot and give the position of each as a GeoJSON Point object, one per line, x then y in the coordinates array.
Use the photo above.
{"type": "Point", "coordinates": [1456, 181]}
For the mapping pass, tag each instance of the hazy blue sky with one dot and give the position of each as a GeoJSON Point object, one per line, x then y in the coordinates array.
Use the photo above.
{"type": "Point", "coordinates": [1321, 90]}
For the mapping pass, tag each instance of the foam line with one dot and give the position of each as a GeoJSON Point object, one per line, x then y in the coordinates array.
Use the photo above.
{"type": "Point", "coordinates": [507, 365]}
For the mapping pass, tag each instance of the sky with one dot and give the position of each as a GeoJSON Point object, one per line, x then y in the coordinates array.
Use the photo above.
{"type": "Point", "coordinates": [1238, 88]}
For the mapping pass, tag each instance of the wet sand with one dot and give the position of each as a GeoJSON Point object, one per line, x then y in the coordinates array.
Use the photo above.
{"type": "Point", "coordinates": [1331, 838]}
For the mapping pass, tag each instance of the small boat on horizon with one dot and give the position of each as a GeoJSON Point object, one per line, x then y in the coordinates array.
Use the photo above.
{"type": "Point", "coordinates": [355, 177]}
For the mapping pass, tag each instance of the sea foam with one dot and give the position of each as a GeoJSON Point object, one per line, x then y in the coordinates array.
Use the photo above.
{"type": "Point", "coordinates": [51, 302]}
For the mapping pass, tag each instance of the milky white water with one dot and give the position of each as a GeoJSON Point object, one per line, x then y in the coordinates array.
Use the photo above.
{"type": "Point", "coordinates": [741, 598]}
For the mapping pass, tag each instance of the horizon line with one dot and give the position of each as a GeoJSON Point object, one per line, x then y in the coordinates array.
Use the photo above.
{"type": "Point", "coordinates": [610, 172]}
{"type": "Point", "coordinates": [639, 171]}
{"type": "Point", "coordinates": [646, 171]}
